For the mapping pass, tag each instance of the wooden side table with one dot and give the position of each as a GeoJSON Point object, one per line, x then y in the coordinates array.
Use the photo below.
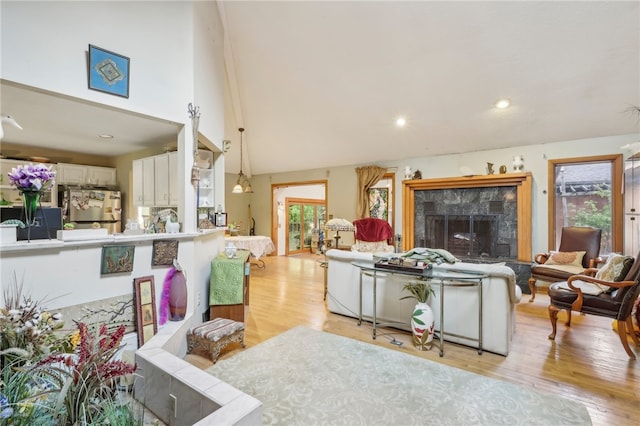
{"type": "Point", "coordinates": [229, 287]}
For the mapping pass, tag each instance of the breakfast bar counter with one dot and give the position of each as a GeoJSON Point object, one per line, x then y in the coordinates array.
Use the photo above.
{"type": "Point", "coordinates": [68, 273]}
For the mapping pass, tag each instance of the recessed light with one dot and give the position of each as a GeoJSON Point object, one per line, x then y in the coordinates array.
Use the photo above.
{"type": "Point", "coordinates": [401, 121]}
{"type": "Point", "coordinates": [105, 136]}
{"type": "Point", "coordinates": [503, 103]}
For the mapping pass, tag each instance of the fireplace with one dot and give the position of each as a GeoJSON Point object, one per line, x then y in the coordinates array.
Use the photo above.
{"type": "Point", "coordinates": [475, 218]}
{"type": "Point", "coordinates": [474, 236]}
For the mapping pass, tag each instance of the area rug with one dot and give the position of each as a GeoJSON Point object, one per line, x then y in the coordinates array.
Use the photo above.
{"type": "Point", "coordinates": [308, 377]}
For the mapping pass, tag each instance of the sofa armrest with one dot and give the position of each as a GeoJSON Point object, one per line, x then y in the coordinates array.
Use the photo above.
{"type": "Point", "coordinates": [348, 256]}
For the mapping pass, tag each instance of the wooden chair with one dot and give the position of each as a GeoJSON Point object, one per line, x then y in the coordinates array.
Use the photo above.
{"type": "Point", "coordinates": [616, 304]}
{"type": "Point", "coordinates": [573, 238]}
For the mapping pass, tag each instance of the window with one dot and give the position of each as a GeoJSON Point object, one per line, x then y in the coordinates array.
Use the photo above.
{"type": "Point", "coordinates": [587, 191]}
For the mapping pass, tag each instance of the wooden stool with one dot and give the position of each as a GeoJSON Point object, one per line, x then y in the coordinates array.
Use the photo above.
{"type": "Point", "coordinates": [214, 335]}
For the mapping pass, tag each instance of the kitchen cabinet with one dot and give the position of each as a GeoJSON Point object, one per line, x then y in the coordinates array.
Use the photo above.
{"type": "Point", "coordinates": [71, 174]}
{"type": "Point", "coordinates": [632, 205]}
{"type": "Point", "coordinates": [155, 181]}
{"type": "Point", "coordinates": [137, 176]}
{"type": "Point", "coordinates": [174, 188]}
{"type": "Point", "coordinates": [148, 181]}
{"type": "Point", "coordinates": [10, 196]}
{"type": "Point", "coordinates": [161, 164]}
{"type": "Point", "coordinates": [101, 176]}
{"type": "Point", "coordinates": [79, 174]}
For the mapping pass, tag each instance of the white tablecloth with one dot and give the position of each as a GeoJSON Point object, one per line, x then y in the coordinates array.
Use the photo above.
{"type": "Point", "coordinates": [257, 245]}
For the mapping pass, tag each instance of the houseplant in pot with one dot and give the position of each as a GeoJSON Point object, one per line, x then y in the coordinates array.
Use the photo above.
{"type": "Point", "coordinates": [422, 319]}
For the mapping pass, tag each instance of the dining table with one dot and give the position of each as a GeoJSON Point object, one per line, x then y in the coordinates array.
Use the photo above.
{"type": "Point", "coordinates": [258, 245]}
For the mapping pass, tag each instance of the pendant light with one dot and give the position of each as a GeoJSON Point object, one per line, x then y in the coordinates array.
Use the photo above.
{"type": "Point", "coordinates": [243, 185]}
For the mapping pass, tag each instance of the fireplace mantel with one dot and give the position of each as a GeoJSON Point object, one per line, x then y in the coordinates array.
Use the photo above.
{"type": "Point", "coordinates": [522, 182]}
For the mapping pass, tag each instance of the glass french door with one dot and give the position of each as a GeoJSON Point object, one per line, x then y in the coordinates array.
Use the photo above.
{"type": "Point", "coordinates": [303, 217]}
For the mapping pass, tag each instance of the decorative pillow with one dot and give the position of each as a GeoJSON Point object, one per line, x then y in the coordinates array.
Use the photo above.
{"type": "Point", "coordinates": [615, 269]}
{"type": "Point", "coordinates": [371, 247]}
{"type": "Point", "coordinates": [572, 258]}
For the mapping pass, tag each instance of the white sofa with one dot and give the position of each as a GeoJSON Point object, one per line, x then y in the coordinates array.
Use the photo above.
{"type": "Point", "coordinates": [499, 293]}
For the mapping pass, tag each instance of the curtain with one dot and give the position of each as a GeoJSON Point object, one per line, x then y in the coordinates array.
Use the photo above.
{"type": "Point", "coordinates": [367, 177]}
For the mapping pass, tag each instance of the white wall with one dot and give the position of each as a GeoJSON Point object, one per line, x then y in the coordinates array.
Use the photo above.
{"type": "Point", "coordinates": [342, 181]}
{"type": "Point", "coordinates": [175, 51]}
{"type": "Point", "coordinates": [44, 44]}
{"type": "Point", "coordinates": [209, 79]}
{"type": "Point", "coordinates": [176, 58]}
{"type": "Point", "coordinates": [61, 276]}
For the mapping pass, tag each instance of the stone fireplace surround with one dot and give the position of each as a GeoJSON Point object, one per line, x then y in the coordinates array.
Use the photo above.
{"type": "Point", "coordinates": [480, 219]}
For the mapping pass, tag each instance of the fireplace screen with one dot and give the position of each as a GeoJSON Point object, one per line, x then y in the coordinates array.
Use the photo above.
{"type": "Point", "coordinates": [466, 235]}
{"type": "Point", "coordinates": [470, 223]}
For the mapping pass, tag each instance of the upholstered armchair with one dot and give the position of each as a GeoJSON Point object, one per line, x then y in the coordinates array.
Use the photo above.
{"type": "Point", "coordinates": [373, 235]}
{"type": "Point", "coordinates": [591, 294]}
{"type": "Point", "coordinates": [579, 249]}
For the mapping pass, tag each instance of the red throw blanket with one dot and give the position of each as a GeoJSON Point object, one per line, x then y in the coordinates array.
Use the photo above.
{"type": "Point", "coordinates": [372, 230]}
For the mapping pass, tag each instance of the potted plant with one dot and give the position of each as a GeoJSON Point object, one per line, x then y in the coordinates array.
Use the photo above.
{"type": "Point", "coordinates": [422, 319]}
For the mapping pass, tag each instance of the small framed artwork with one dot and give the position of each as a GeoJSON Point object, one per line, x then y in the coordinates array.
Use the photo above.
{"type": "Point", "coordinates": [221, 219]}
{"type": "Point", "coordinates": [164, 251]}
{"type": "Point", "coordinates": [108, 72]}
{"type": "Point", "coordinates": [148, 331]}
{"type": "Point", "coordinates": [379, 203]}
{"type": "Point", "coordinates": [117, 259]}
{"type": "Point", "coordinates": [145, 297]}
{"type": "Point", "coordinates": [147, 314]}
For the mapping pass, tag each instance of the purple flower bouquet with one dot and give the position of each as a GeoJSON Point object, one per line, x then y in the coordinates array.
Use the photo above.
{"type": "Point", "coordinates": [32, 177]}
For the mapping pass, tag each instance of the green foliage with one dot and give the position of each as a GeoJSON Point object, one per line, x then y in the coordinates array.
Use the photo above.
{"type": "Point", "coordinates": [294, 213]}
{"type": "Point", "coordinates": [116, 412]}
{"type": "Point", "coordinates": [43, 383]}
{"type": "Point", "coordinates": [419, 290]}
{"type": "Point", "coordinates": [88, 377]}
{"type": "Point", "coordinates": [24, 393]}
{"type": "Point", "coordinates": [591, 215]}
{"type": "Point", "coordinates": [27, 331]}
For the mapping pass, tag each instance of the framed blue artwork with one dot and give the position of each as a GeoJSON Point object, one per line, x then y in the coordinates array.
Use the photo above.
{"type": "Point", "coordinates": [108, 72]}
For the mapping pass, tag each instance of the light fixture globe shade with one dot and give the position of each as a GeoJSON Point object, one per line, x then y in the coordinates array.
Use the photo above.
{"type": "Point", "coordinates": [503, 103]}
{"type": "Point", "coordinates": [248, 189]}
{"type": "Point", "coordinates": [237, 189]}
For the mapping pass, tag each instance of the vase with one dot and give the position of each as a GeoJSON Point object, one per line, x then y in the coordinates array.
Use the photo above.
{"type": "Point", "coordinates": [422, 326]}
{"type": "Point", "coordinates": [178, 297]}
{"type": "Point", "coordinates": [172, 227]}
{"type": "Point", "coordinates": [31, 200]}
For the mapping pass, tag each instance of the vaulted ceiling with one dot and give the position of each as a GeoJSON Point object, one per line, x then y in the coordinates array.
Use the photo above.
{"type": "Point", "coordinates": [321, 83]}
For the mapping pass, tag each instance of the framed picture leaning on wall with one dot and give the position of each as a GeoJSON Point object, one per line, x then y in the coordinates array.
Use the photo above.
{"type": "Point", "coordinates": [145, 300]}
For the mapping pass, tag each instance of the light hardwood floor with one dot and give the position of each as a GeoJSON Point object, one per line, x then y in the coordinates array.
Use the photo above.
{"type": "Point", "coordinates": [586, 362]}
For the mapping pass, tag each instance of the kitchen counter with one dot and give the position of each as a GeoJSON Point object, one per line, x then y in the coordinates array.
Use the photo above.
{"type": "Point", "coordinates": [36, 245]}
{"type": "Point", "coordinates": [69, 273]}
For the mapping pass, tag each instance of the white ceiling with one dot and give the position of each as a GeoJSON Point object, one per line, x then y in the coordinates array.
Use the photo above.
{"type": "Point", "coordinates": [321, 83]}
